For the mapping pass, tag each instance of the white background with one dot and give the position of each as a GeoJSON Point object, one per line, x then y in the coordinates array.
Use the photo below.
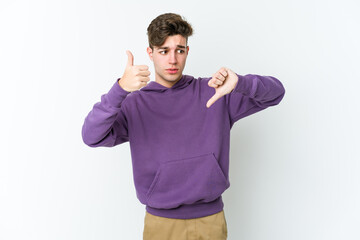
{"type": "Point", "coordinates": [294, 168]}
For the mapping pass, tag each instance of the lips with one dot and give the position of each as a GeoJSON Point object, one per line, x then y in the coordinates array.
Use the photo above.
{"type": "Point", "coordinates": [172, 70]}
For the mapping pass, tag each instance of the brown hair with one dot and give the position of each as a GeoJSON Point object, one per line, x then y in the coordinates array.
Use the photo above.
{"type": "Point", "coordinates": [165, 25]}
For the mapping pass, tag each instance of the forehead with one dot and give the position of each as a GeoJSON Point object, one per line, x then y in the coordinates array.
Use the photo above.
{"type": "Point", "coordinates": [175, 41]}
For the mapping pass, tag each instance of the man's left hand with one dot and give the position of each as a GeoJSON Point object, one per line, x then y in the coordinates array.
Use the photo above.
{"type": "Point", "coordinates": [224, 81]}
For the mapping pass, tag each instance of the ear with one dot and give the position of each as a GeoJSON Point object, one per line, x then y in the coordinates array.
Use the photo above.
{"type": "Point", "coordinates": [187, 50]}
{"type": "Point", "coordinates": [150, 52]}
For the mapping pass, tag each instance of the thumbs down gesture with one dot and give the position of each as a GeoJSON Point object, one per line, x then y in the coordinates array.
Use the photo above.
{"type": "Point", "coordinates": [224, 81]}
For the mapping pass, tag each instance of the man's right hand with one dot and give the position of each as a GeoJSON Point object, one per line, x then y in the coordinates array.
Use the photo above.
{"type": "Point", "coordinates": [134, 77]}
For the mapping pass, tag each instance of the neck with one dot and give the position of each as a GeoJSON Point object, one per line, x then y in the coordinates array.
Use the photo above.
{"type": "Point", "coordinates": [165, 83]}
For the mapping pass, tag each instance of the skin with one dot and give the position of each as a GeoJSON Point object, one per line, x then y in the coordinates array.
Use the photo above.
{"type": "Point", "coordinates": [137, 76]}
{"type": "Point", "coordinates": [173, 57]}
{"type": "Point", "coordinates": [224, 81]}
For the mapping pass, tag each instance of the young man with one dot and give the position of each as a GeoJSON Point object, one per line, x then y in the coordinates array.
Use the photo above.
{"type": "Point", "coordinates": [178, 128]}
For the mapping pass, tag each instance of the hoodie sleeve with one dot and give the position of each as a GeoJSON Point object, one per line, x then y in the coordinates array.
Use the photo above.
{"type": "Point", "coordinates": [106, 124]}
{"type": "Point", "coordinates": [252, 94]}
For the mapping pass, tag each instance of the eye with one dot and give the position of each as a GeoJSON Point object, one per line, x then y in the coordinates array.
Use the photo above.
{"type": "Point", "coordinates": [164, 51]}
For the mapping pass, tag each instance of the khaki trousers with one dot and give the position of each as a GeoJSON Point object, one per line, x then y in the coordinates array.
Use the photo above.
{"type": "Point", "coordinates": [212, 227]}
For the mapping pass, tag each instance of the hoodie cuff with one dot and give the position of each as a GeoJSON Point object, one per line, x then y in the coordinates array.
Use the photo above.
{"type": "Point", "coordinates": [116, 94]}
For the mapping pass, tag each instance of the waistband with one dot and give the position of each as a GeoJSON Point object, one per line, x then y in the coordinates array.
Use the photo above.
{"type": "Point", "coordinates": [188, 211]}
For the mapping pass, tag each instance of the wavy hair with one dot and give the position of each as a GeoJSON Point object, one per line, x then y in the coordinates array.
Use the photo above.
{"type": "Point", "coordinates": [165, 25]}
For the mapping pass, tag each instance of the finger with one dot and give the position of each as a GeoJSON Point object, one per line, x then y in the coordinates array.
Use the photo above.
{"type": "Point", "coordinates": [144, 79]}
{"type": "Point", "coordinates": [213, 99]}
{"type": "Point", "coordinates": [212, 83]}
{"type": "Point", "coordinates": [143, 84]}
{"type": "Point", "coordinates": [144, 73]}
{"type": "Point", "coordinates": [142, 67]}
{"type": "Point", "coordinates": [223, 72]}
{"type": "Point", "coordinates": [130, 61]}
{"type": "Point", "coordinates": [220, 77]}
{"type": "Point", "coordinates": [218, 82]}
{"type": "Point", "coordinates": [220, 74]}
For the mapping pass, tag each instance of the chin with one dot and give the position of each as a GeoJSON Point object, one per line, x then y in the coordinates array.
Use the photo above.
{"type": "Point", "coordinates": [172, 77]}
{"type": "Point", "coordinates": [176, 77]}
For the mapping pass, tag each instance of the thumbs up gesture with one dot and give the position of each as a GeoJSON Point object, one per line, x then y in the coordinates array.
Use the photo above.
{"type": "Point", "coordinates": [135, 76]}
{"type": "Point", "coordinates": [224, 81]}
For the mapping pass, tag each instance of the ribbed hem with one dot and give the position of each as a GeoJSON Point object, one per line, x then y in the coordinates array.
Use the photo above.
{"type": "Point", "coordinates": [189, 211]}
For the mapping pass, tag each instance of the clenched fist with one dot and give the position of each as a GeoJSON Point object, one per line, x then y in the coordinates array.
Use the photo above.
{"type": "Point", "coordinates": [134, 77]}
{"type": "Point", "coordinates": [224, 81]}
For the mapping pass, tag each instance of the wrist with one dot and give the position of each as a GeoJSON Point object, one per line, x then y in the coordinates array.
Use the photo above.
{"type": "Point", "coordinates": [121, 85]}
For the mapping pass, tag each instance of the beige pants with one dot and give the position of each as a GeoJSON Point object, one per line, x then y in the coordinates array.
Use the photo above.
{"type": "Point", "coordinates": [212, 227]}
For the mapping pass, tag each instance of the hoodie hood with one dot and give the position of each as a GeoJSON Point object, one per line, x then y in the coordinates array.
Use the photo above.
{"type": "Point", "coordinates": [183, 82]}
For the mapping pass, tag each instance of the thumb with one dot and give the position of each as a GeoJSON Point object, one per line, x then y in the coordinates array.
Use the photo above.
{"type": "Point", "coordinates": [213, 99]}
{"type": "Point", "coordinates": [130, 58]}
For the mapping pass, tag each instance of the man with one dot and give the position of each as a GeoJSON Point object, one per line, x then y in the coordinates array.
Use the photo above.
{"type": "Point", "coordinates": [178, 128]}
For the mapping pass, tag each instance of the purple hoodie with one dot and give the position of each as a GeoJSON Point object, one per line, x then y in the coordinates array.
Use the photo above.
{"type": "Point", "coordinates": [179, 147]}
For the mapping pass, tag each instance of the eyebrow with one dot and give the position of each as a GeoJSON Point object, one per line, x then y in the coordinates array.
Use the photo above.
{"type": "Point", "coordinates": [179, 46]}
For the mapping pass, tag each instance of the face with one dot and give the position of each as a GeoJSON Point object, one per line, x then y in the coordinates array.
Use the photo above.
{"type": "Point", "coordinates": [171, 55]}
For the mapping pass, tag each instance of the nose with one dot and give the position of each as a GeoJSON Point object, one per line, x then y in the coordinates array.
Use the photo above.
{"type": "Point", "coordinates": [172, 58]}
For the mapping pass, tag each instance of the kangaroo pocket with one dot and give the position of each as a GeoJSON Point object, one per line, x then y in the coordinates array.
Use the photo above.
{"type": "Point", "coordinates": [186, 181]}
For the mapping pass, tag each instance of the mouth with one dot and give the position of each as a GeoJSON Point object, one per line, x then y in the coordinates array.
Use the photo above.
{"type": "Point", "coordinates": [172, 70]}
